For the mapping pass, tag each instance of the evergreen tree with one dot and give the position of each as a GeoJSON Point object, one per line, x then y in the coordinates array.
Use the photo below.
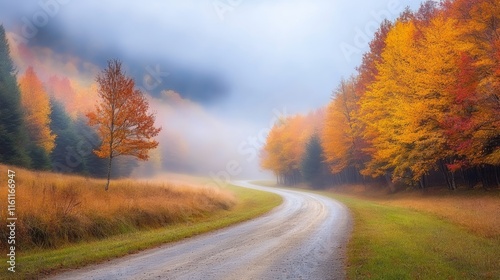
{"type": "Point", "coordinates": [40, 159]}
{"type": "Point", "coordinates": [312, 163]}
{"type": "Point", "coordinates": [74, 144]}
{"type": "Point", "coordinates": [65, 157]}
{"type": "Point", "coordinates": [96, 166]}
{"type": "Point", "coordinates": [13, 139]}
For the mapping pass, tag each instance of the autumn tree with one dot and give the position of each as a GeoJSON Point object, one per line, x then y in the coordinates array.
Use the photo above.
{"type": "Point", "coordinates": [473, 121]}
{"type": "Point", "coordinates": [388, 102]}
{"type": "Point", "coordinates": [425, 100]}
{"type": "Point", "coordinates": [367, 74]}
{"type": "Point", "coordinates": [404, 107]}
{"type": "Point", "coordinates": [121, 117]}
{"type": "Point", "coordinates": [271, 155]}
{"type": "Point", "coordinates": [283, 150]}
{"type": "Point", "coordinates": [407, 108]}
{"type": "Point", "coordinates": [285, 146]}
{"type": "Point", "coordinates": [36, 109]}
{"type": "Point", "coordinates": [439, 39]}
{"type": "Point", "coordinates": [479, 26]}
{"type": "Point", "coordinates": [342, 136]}
{"type": "Point", "coordinates": [459, 124]}
{"type": "Point", "coordinates": [367, 71]}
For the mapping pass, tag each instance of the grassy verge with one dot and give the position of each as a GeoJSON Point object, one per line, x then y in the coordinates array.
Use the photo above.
{"type": "Point", "coordinates": [36, 263]}
{"type": "Point", "coordinates": [394, 242]}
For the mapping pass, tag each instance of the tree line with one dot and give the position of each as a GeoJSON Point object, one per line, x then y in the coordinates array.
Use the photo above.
{"type": "Point", "coordinates": [423, 108]}
{"type": "Point", "coordinates": [38, 132]}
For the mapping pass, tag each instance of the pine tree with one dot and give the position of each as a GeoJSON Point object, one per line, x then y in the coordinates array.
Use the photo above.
{"type": "Point", "coordinates": [95, 165]}
{"type": "Point", "coordinates": [13, 139]}
{"type": "Point", "coordinates": [69, 145]}
{"type": "Point", "coordinates": [312, 162]}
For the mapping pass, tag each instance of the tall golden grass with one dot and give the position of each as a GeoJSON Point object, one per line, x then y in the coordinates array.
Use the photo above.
{"type": "Point", "coordinates": [478, 214]}
{"type": "Point", "coordinates": [477, 211]}
{"type": "Point", "coordinates": [55, 209]}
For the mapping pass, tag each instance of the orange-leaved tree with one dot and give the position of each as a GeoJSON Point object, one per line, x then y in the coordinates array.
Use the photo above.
{"type": "Point", "coordinates": [121, 117]}
{"type": "Point", "coordinates": [36, 107]}
{"type": "Point", "coordinates": [342, 135]}
{"type": "Point", "coordinates": [285, 145]}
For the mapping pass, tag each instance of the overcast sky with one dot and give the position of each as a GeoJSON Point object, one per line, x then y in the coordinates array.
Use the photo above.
{"type": "Point", "coordinates": [246, 57]}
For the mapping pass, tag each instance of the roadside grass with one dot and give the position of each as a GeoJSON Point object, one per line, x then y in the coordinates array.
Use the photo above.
{"type": "Point", "coordinates": [422, 236]}
{"type": "Point", "coordinates": [392, 242]}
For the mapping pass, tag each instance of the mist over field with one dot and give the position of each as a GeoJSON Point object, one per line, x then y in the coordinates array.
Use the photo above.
{"type": "Point", "coordinates": [219, 73]}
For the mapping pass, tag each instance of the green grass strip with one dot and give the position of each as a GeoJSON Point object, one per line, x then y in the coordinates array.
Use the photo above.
{"type": "Point", "coordinates": [391, 242]}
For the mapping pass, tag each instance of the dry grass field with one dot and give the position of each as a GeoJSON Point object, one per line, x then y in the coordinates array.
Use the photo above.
{"type": "Point", "coordinates": [54, 209]}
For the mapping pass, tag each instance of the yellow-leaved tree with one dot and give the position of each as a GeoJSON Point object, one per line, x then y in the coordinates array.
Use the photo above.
{"type": "Point", "coordinates": [433, 79]}
{"type": "Point", "coordinates": [388, 101]}
{"type": "Point", "coordinates": [404, 109]}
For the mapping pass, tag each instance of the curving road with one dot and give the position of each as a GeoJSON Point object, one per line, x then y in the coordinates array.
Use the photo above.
{"type": "Point", "coordinates": [304, 238]}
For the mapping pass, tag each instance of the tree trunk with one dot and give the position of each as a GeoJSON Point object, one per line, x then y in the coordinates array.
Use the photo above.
{"type": "Point", "coordinates": [471, 175]}
{"type": "Point", "coordinates": [390, 183]}
{"type": "Point", "coordinates": [421, 182]}
{"type": "Point", "coordinates": [464, 179]}
{"type": "Point", "coordinates": [480, 174]}
{"type": "Point", "coordinates": [444, 170]}
{"type": "Point", "coordinates": [495, 168]}
{"type": "Point", "coordinates": [453, 184]}
{"type": "Point", "coordinates": [109, 173]}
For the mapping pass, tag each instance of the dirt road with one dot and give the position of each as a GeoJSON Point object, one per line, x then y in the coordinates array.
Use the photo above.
{"type": "Point", "coordinates": [304, 238]}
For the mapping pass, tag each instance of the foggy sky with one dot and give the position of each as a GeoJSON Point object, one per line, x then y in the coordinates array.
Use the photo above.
{"type": "Point", "coordinates": [239, 59]}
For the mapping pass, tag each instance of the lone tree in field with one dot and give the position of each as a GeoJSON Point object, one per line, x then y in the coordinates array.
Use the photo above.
{"type": "Point", "coordinates": [121, 116]}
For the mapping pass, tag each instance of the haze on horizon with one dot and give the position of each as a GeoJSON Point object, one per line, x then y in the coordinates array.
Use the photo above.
{"type": "Point", "coordinates": [236, 65]}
